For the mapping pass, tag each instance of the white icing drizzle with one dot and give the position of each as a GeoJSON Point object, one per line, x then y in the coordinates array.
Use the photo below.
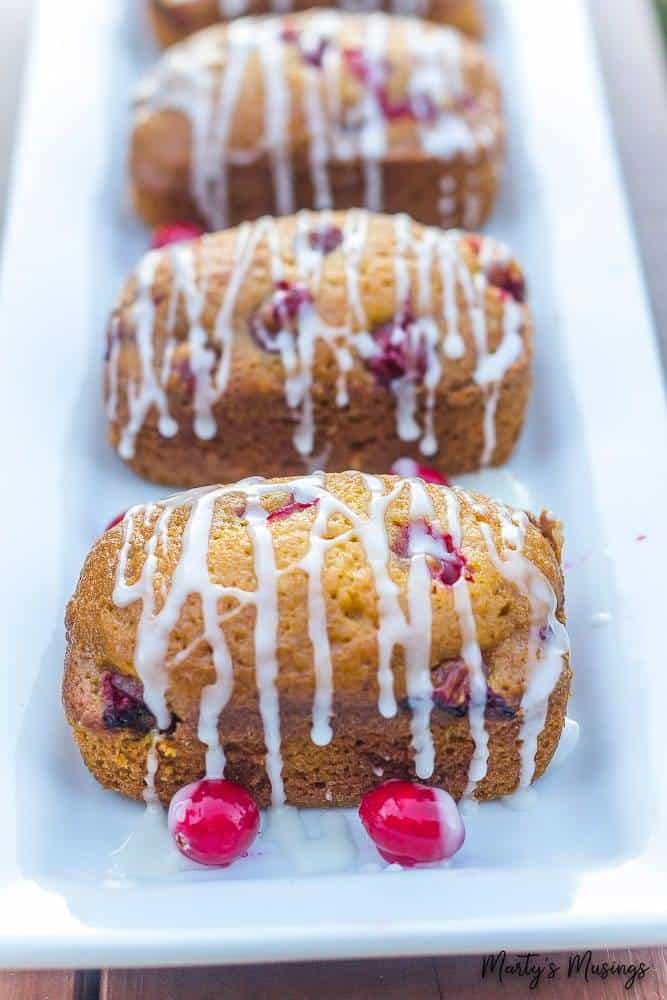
{"type": "Point", "coordinates": [201, 359]}
{"type": "Point", "coordinates": [216, 207]}
{"type": "Point", "coordinates": [471, 655]}
{"type": "Point", "coordinates": [150, 795]}
{"type": "Point", "coordinates": [272, 53]}
{"type": "Point", "coordinates": [332, 851]}
{"type": "Point", "coordinates": [266, 641]}
{"type": "Point", "coordinates": [313, 564]}
{"type": "Point", "coordinates": [418, 642]}
{"type": "Point", "coordinates": [203, 78]}
{"type": "Point", "coordinates": [492, 367]}
{"type": "Point", "coordinates": [318, 31]}
{"type": "Point", "coordinates": [373, 132]}
{"type": "Point", "coordinates": [548, 643]}
{"type": "Point", "coordinates": [418, 255]}
{"type": "Point", "coordinates": [146, 391]}
{"type": "Point", "coordinates": [162, 606]}
{"type": "Point", "coordinates": [355, 234]}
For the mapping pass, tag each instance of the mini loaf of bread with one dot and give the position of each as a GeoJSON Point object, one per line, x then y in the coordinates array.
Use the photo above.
{"type": "Point", "coordinates": [318, 110]}
{"type": "Point", "coordinates": [174, 20]}
{"type": "Point", "coordinates": [323, 340]}
{"type": "Point", "coordinates": [313, 637]}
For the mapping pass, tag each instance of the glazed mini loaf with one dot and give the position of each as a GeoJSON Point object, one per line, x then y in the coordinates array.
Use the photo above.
{"type": "Point", "coordinates": [174, 20]}
{"type": "Point", "coordinates": [313, 637]}
{"type": "Point", "coordinates": [318, 110]}
{"type": "Point", "coordinates": [331, 340]}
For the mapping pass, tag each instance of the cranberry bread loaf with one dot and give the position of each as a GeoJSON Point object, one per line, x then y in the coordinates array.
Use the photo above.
{"type": "Point", "coordinates": [318, 110]}
{"type": "Point", "coordinates": [335, 339]}
{"type": "Point", "coordinates": [312, 637]}
{"type": "Point", "coordinates": [174, 20]}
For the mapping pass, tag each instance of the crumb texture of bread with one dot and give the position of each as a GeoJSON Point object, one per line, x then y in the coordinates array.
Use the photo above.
{"type": "Point", "coordinates": [320, 110]}
{"type": "Point", "coordinates": [321, 340]}
{"type": "Point", "coordinates": [174, 20]}
{"type": "Point", "coordinates": [316, 636]}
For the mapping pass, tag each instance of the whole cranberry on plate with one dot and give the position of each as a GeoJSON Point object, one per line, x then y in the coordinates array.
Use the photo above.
{"type": "Point", "coordinates": [408, 467]}
{"type": "Point", "coordinates": [213, 821]}
{"type": "Point", "coordinates": [175, 232]}
{"type": "Point", "coordinates": [412, 824]}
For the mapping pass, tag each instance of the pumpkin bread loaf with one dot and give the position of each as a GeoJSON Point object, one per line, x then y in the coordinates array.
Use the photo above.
{"type": "Point", "coordinates": [313, 637]}
{"type": "Point", "coordinates": [318, 110]}
{"type": "Point", "coordinates": [337, 340]}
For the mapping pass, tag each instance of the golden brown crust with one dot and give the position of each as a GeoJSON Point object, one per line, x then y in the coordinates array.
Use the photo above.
{"type": "Point", "coordinates": [450, 181]}
{"type": "Point", "coordinates": [173, 22]}
{"type": "Point", "coordinates": [255, 426]}
{"type": "Point", "coordinates": [365, 751]}
{"type": "Point", "coordinates": [366, 747]}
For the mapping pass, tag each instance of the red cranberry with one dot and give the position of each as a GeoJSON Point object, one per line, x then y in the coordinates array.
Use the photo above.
{"type": "Point", "coordinates": [453, 564]}
{"type": "Point", "coordinates": [507, 277]}
{"type": "Point", "coordinates": [374, 75]}
{"type": "Point", "coordinates": [291, 508]}
{"type": "Point", "coordinates": [420, 107]}
{"type": "Point", "coordinates": [325, 239]}
{"type": "Point", "coordinates": [401, 351]}
{"type": "Point", "coordinates": [412, 824]}
{"type": "Point", "coordinates": [366, 70]}
{"type": "Point", "coordinates": [176, 232]}
{"type": "Point", "coordinates": [280, 312]}
{"type": "Point", "coordinates": [411, 469]}
{"type": "Point", "coordinates": [123, 703]}
{"type": "Point", "coordinates": [115, 520]}
{"type": "Point", "coordinates": [213, 821]}
{"type": "Point", "coordinates": [474, 241]}
{"type": "Point", "coordinates": [187, 376]}
{"type": "Point", "coordinates": [423, 108]}
{"type": "Point", "coordinates": [431, 475]}
{"type": "Point", "coordinates": [446, 567]}
{"type": "Point", "coordinates": [313, 57]}
{"type": "Point", "coordinates": [289, 35]}
{"type": "Point", "coordinates": [451, 693]}
{"type": "Point", "coordinates": [468, 102]}
{"type": "Point", "coordinates": [497, 707]}
{"type": "Point", "coordinates": [288, 300]}
{"type": "Point", "coordinates": [451, 687]}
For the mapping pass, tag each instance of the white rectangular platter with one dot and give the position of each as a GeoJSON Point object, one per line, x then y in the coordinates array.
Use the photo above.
{"type": "Point", "coordinates": [588, 864]}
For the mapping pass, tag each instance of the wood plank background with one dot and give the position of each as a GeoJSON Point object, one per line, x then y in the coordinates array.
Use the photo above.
{"type": "Point", "coordinates": [398, 979]}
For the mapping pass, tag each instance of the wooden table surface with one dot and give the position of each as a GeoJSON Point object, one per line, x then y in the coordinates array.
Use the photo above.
{"type": "Point", "coordinates": [635, 79]}
{"type": "Point", "coordinates": [396, 979]}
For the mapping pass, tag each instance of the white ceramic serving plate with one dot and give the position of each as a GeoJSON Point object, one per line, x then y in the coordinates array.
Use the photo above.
{"type": "Point", "coordinates": [588, 864]}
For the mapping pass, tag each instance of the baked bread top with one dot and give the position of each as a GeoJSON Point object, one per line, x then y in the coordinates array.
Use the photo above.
{"type": "Point", "coordinates": [323, 590]}
{"type": "Point", "coordinates": [320, 86]}
{"type": "Point", "coordinates": [173, 20]}
{"type": "Point", "coordinates": [315, 303]}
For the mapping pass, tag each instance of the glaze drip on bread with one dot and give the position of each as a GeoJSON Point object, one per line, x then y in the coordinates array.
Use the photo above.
{"type": "Point", "coordinates": [323, 104]}
{"type": "Point", "coordinates": [183, 580]}
{"type": "Point", "coordinates": [337, 308]}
